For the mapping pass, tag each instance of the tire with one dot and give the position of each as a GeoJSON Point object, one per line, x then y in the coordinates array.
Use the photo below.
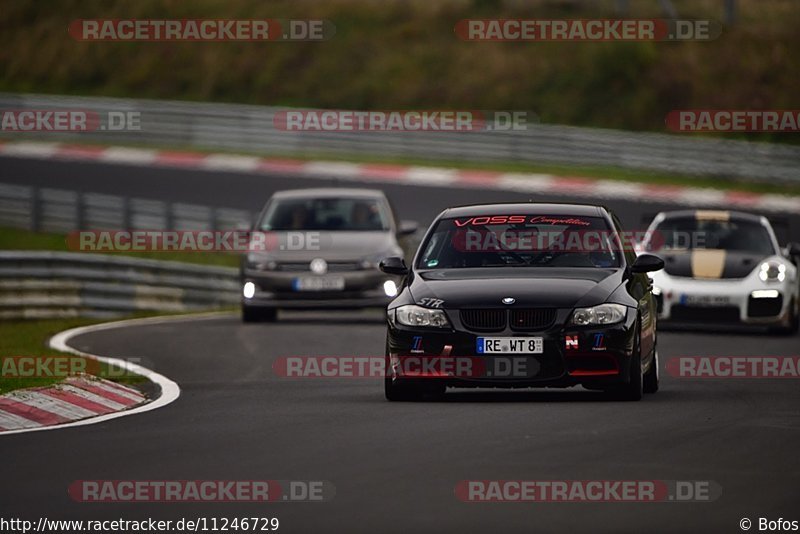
{"type": "Point", "coordinates": [252, 314]}
{"type": "Point", "coordinates": [794, 323]}
{"type": "Point", "coordinates": [650, 383]}
{"type": "Point", "coordinates": [395, 389]}
{"type": "Point", "coordinates": [634, 389]}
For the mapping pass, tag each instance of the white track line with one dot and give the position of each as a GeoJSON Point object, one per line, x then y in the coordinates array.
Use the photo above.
{"type": "Point", "coordinates": [170, 391]}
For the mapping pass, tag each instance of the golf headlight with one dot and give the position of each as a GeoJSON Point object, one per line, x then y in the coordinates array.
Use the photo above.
{"type": "Point", "coordinates": [413, 315]}
{"type": "Point", "coordinates": [772, 271]}
{"type": "Point", "coordinates": [390, 288]}
{"type": "Point", "coordinates": [602, 314]}
{"type": "Point", "coordinates": [260, 262]}
{"type": "Point", "coordinates": [248, 290]}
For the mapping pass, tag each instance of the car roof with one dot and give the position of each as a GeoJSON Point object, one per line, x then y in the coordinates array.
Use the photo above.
{"type": "Point", "coordinates": [525, 208]}
{"type": "Point", "coordinates": [329, 192]}
{"type": "Point", "coordinates": [713, 215]}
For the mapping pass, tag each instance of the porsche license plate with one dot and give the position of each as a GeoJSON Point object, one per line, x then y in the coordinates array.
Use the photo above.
{"type": "Point", "coordinates": [705, 301]}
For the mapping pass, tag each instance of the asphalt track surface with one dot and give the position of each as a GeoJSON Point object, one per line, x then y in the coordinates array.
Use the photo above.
{"type": "Point", "coordinates": [395, 465]}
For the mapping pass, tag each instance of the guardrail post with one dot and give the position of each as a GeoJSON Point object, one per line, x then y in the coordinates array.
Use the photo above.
{"type": "Point", "coordinates": [169, 217]}
{"type": "Point", "coordinates": [127, 219]}
{"type": "Point", "coordinates": [36, 209]}
{"type": "Point", "coordinates": [80, 213]}
{"type": "Point", "coordinates": [730, 12]}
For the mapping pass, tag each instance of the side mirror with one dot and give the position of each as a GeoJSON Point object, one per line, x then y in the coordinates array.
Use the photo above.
{"type": "Point", "coordinates": [408, 227]}
{"type": "Point", "coordinates": [646, 263]}
{"type": "Point", "coordinates": [393, 265]}
{"type": "Point", "coordinates": [793, 249]}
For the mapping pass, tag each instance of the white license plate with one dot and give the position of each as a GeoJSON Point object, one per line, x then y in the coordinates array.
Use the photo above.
{"type": "Point", "coordinates": [510, 345]}
{"type": "Point", "coordinates": [706, 301]}
{"type": "Point", "coordinates": [318, 283]}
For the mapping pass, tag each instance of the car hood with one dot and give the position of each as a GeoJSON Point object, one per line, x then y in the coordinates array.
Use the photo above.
{"type": "Point", "coordinates": [710, 264]}
{"type": "Point", "coordinates": [533, 288]}
{"type": "Point", "coordinates": [331, 246]}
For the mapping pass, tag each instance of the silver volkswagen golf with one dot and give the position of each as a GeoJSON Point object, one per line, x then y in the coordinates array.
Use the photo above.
{"type": "Point", "coordinates": [322, 250]}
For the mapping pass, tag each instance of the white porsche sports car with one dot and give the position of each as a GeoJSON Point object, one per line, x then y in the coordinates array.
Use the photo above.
{"type": "Point", "coordinates": [723, 267]}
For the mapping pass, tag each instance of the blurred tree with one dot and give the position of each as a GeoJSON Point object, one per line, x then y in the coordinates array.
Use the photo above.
{"type": "Point", "coordinates": [668, 8]}
{"type": "Point", "coordinates": [730, 12]}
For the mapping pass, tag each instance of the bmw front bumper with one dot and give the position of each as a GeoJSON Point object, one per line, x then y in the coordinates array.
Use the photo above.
{"type": "Point", "coordinates": [594, 356]}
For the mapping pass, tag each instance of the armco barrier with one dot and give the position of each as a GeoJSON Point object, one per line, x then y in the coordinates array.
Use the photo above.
{"type": "Point", "coordinates": [39, 284]}
{"type": "Point", "coordinates": [61, 210]}
{"type": "Point", "coordinates": [251, 129]}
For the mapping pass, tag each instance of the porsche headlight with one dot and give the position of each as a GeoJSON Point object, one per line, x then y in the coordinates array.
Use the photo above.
{"type": "Point", "coordinates": [772, 271]}
{"type": "Point", "coordinates": [599, 315]}
{"type": "Point", "coordinates": [413, 315]}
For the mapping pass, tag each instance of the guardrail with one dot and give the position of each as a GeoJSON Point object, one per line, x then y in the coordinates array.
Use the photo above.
{"type": "Point", "coordinates": [250, 129]}
{"type": "Point", "coordinates": [59, 210]}
{"type": "Point", "coordinates": [39, 284]}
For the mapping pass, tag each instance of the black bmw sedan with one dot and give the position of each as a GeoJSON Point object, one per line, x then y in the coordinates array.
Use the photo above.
{"type": "Point", "coordinates": [523, 295]}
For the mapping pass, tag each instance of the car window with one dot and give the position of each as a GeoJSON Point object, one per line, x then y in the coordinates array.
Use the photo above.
{"type": "Point", "coordinates": [520, 241]}
{"type": "Point", "coordinates": [690, 233]}
{"type": "Point", "coordinates": [342, 214]}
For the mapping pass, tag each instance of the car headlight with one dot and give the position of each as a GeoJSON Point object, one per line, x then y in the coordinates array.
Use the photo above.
{"type": "Point", "coordinates": [260, 262]}
{"type": "Point", "coordinates": [602, 314]}
{"type": "Point", "coordinates": [390, 288]}
{"type": "Point", "coordinates": [413, 315]}
{"type": "Point", "coordinates": [772, 271]}
{"type": "Point", "coordinates": [248, 290]}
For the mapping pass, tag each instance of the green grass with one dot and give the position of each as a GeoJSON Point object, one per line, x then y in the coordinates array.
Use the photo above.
{"type": "Point", "coordinates": [403, 54]}
{"type": "Point", "coordinates": [29, 338]}
{"type": "Point", "coordinates": [16, 239]}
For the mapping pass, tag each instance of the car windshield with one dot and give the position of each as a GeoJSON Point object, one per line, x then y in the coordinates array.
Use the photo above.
{"type": "Point", "coordinates": [332, 214]}
{"type": "Point", "coordinates": [690, 233]}
{"type": "Point", "coordinates": [521, 241]}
